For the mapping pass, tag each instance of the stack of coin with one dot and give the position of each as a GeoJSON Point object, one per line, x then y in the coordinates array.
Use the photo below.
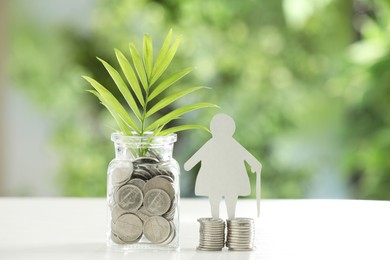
{"type": "Point", "coordinates": [211, 234]}
{"type": "Point", "coordinates": [240, 234]}
{"type": "Point", "coordinates": [143, 202]}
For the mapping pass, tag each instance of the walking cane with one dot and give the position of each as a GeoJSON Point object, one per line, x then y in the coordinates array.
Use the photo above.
{"type": "Point", "coordinates": [258, 191]}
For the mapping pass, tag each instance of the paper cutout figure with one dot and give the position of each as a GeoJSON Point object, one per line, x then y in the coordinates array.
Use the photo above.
{"type": "Point", "coordinates": [223, 173]}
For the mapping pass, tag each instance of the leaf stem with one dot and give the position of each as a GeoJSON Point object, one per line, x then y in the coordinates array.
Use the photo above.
{"type": "Point", "coordinates": [144, 111]}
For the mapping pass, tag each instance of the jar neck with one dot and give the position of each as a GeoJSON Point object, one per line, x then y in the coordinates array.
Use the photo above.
{"type": "Point", "coordinates": [132, 147]}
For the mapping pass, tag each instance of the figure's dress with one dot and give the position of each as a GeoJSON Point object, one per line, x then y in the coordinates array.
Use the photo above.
{"type": "Point", "coordinates": [223, 170]}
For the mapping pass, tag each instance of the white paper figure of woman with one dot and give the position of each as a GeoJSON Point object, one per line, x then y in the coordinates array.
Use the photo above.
{"type": "Point", "coordinates": [223, 173]}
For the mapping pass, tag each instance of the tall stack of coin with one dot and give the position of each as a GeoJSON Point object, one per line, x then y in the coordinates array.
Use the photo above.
{"type": "Point", "coordinates": [240, 234]}
{"type": "Point", "coordinates": [143, 202]}
{"type": "Point", "coordinates": [211, 234]}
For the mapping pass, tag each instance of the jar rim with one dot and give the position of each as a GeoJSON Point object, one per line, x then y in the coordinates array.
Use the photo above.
{"type": "Point", "coordinates": [147, 138]}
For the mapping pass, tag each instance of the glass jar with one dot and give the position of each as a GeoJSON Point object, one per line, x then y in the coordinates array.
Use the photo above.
{"type": "Point", "coordinates": [143, 193]}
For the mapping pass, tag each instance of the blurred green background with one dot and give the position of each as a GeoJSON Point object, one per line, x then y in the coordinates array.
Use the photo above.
{"type": "Point", "coordinates": [306, 81]}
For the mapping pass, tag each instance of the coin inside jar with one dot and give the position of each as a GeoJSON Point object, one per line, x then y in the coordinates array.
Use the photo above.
{"type": "Point", "coordinates": [116, 239]}
{"type": "Point", "coordinates": [171, 235]}
{"type": "Point", "coordinates": [116, 212]}
{"type": "Point", "coordinates": [161, 183]}
{"type": "Point", "coordinates": [157, 229]}
{"type": "Point", "coordinates": [137, 182]}
{"type": "Point", "coordinates": [170, 214]}
{"type": "Point", "coordinates": [157, 202]}
{"type": "Point", "coordinates": [129, 197]}
{"type": "Point", "coordinates": [143, 214]}
{"type": "Point", "coordinates": [128, 228]}
{"type": "Point", "coordinates": [146, 160]}
{"type": "Point", "coordinates": [120, 175]}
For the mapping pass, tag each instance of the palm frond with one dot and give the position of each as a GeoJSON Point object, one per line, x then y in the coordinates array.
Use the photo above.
{"type": "Point", "coordinates": [170, 99]}
{"type": "Point", "coordinates": [130, 76]}
{"type": "Point", "coordinates": [148, 55]}
{"type": "Point", "coordinates": [122, 88]}
{"type": "Point", "coordinates": [112, 104]}
{"type": "Point", "coordinates": [168, 82]}
{"type": "Point", "coordinates": [176, 129]}
{"type": "Point", "coordinates": [177, 113]}
{"type": "Point", "coordinates": [139, 66]}
{"type": "Point", "coordinates": [142, 74]}
{"type": "Point", "coordinates": [166, 60]}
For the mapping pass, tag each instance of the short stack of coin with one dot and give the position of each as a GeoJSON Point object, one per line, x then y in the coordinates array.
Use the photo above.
{"type": "Point", "coordinates": [240, 234]}
{"type": "Point", "coordinates": [143, 202]}
{"type": "Point", "coordinates": [211, 234]}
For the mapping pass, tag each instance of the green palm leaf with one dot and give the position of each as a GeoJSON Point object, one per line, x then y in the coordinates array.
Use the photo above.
{"type": "Point", "coordinates": [139, 66]}
{"type": "Point", "coordinates": [112, 103]}
{"type": "Point", "coordinates": [122, 126]}
{"type": "Point", "coordinates": [163, 51]}
{"type": "Point", "coordinates": [122, 88]}
{"type": "Point", "coordinates": [170, 99]}
{"type": "Point", "coordinates": [166, 60]}
{"type": "Point", "coordinates": [130, 76]}
{"type": "Point", "coordinates": [169, 82]}
{"type": "Point", "coordinates": [177, 113]}
{"type": "Point", "coordinates": [148, 55]}
{"type": "Point", "coordinates": [176, 129]}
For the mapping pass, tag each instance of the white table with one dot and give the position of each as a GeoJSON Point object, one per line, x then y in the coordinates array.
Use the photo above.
{"type": "Point", "coordinates": [70, 228]}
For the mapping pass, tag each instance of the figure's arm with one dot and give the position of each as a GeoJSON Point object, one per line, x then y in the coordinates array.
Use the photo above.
{"type": "Point", "coordinates": [252, 161]}
{"type": "Point", "coordinates": [194, 160]}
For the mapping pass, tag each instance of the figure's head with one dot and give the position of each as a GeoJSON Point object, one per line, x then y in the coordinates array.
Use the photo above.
{"type": "Point", "coordinates": [222, 125]}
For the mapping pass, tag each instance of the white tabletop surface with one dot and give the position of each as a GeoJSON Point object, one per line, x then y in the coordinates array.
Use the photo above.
{"type": "Point", "coordinates": [71, 228]}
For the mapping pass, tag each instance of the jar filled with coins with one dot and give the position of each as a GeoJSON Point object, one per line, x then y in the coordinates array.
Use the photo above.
{"type": "Point", "coordinates": [143, 193]}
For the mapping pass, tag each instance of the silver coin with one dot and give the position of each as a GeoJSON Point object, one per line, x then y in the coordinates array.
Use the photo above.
{"type": "Point", "coordinates": [212, 243]}
{"type": "Point", "coordinates": [137, 182]}
{"type": "Point", "coordinates": [240, 231]}
{"type": "Point", "coordinates": [172, 235]}
{"type": "Point", "coordinates": [240, 221]}
{"type": "Point", "coordinates": [145, 160]}
{"type": "Point", "coordinates": [209, 246]}
{"type": "Point", "coordinates": [170, 214]}
{"type": "Point", "coordinates": [242, 249]}
{"type": "Point", "coordinates": [242, 235]}
{"type": "Point", "coordinates": [159, 182]}
{"type": "Point", "coordinates": [157, 229]}
{"type": "Point", "coordinates": [153, 169]}
{"type": "Point", "coordinates": [116, 212]}
{"type": "Point", "coordinates": [129, 197]}
{"type": "Point", "coordinates": [240, 241]}
{"type": "Point", "coordinates": [211, 220]}
{"type": "Point", "coordinates": [160, 169]}
{"type": "Point", "coordinates": [128, 228]}
{"type": "Point", "coordinates": [142, 174]}
{"type": "Point", "coordinates": [143, 214]}
{"type": "Point", "coordinates": [215, 232]}
{"type": "Point", "coordinates": [211, 236]}
{"type": "Point", "coordinates": [150, 169]}
{"type": "Point", "coordinates": [212, 248]}
{"type": "Point", "coordinates": [114, 237]}
{"type": "Point", "coordinates": [120, 175]}
{"type": "Point", "coordinates": [168, 178]}
{"type": "Point", "coordinates": [166, 172]}
{"type": "Point", "coordinates": [208, 249]}
{"type": "Point", "coordinates": [157, 201]}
